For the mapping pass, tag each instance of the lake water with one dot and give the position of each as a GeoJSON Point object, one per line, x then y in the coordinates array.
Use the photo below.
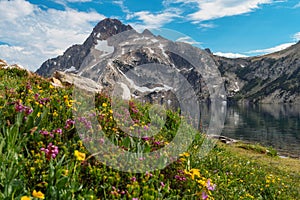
{"type": "Point", "coordinates": [272, 125]}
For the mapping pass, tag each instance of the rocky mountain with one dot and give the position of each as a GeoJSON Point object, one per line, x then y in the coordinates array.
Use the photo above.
{"type": "Point", "coordinates": [73, 57]}
{"type": "Point", "coordinates": [115, 55]}
{"type": "Point", "coordinates": [272, 78]}
{"type": "Point", "coordinates": [141, 65]}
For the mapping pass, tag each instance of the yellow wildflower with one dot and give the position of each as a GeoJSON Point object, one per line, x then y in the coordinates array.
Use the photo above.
{"type": "Point", "coordinates": [194, 172]}
{"type": "Point", "coordinates": [186, 154]}
{"type": "Point", "coordinates": [25, 198]}
{"type": "Point", "coordinates": [80, 156]}
{"type": "Point", "coordinates": [104, 105]}
{"type": "Point", "coordinates": [38, 194]}
{"type": "Point", "coordinates": [55, 114]}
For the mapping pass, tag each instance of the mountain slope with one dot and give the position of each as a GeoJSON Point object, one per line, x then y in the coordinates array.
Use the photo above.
{"type": "Point", "coordinates": [272, 78]}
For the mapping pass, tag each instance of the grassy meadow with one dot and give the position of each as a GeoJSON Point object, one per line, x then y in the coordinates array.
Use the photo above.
{"type": "Point", "coordinates": [42, 155]}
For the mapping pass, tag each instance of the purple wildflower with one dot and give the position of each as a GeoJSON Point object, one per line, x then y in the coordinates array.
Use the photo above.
{"type": "Point", "coordinates": [204, 195]}
{"type": "Point", "coordinates": [51, 151]}
{"type": "Point", "coordinates": [69, 123]}
{"type": "Point", "coordinates": [86, 122]}
{"type": "Point", "coordinates": [210, 186]}
{"type": "Point", "coordinates": [59, 131]}
{"type": "Point", "coordinates": [19, 107]}
{"type": "Point", "coordinates": [145, 138]}
{"type": "Point", "coordinates": [148, 174]}
{"type": "Point", "coordinates": [133, 179]}
{"type": "Point", "coordinates": [46, 133]}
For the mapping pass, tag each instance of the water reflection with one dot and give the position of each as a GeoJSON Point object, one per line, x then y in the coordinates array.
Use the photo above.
{"type": "Point", "coordinates": [270, 125]}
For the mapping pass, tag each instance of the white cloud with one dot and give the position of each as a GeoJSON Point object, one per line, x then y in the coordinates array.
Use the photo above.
{"type": "Point", "coordinates": [122, 6]}
{"type": "Point", "coordinates": [297, 5]}
{"type": "Point", "coordinates": [207, 25]}
{"type": "Point", "coordinates": [10, 10]}
{"type": "Point", "coordinates": [230, 55]}
{"type": "Point", "coordinates": [188, 40]}
{"type": "Point", "coordinates": [296, 36]}
{"type": "Point", "coordinates": [213, 9]}
{"type": "Point", "coordinates": [34, 35]}
{"type": "Point", "coordinates": [272, 49]}
{"type": "Point", "coordinates": [153, 21]}
{"type": "Point", "coordinates": [19, 55]}
{"type": "Point", "coordinates": [72, 1]}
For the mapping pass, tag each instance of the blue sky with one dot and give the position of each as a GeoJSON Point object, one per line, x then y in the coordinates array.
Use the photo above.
{"type": "Point", "coordinates": [33, 31]}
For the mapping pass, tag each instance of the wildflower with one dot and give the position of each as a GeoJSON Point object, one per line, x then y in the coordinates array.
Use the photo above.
{"type": "Point", "coordinates": [145, 138]}
{"type": "Point", "coordinates": [69, 123]}
{"type": "Point", "coordinates": [148, 174]}
{"type": "Point", "coordinates": [86, 122]}
{"type": "Point", "coordinates": [204, 195]}
{"type": "Point", "coordinates": [28, 111]}
{"type": "Point", "coordinates": [210, 186]}
{"type": "Point", "coordinates": [36, 96]}
{"type": "Point", "coordinates": [38, 194]}
{"type": "Point", "coordinates": [79, 155]}
{"type": "Point", "coordinates": [133, 179]}
{"type": "Point", "coordinates": [193, 173]}
{"type": "Point", "coordinates": [162, 184]}
{"type": "Point", "coordinates": [43, 101]}
{"type": "Point", "coordinates": [51, 151]}
{"type": "Point", "coordinates": [146, 128]}
{"type": "Point", "coordinates": [104, 105]}
{"type": "Point", "coordinates": [19, 107]}
{"type": "Point", "coordinates": [180, 178]}
{"type": "Point", "coordinates": [58, 131]}
{"type": "Point", "coordinates": [28, 86]}
{"type": "Point", "coordinates": [25, 198]}
{"type": "Point", "coordinates": [184, 154]}
{"type": "Point", "coordinates": [46, 133]}
{"type": "Point", "coordinates": [55, 114]}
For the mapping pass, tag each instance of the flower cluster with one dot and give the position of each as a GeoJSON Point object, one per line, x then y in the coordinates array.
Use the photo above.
{"type": "Point", "coordinates": [19, 107]}
{"type": "Point", "coordinates": [51, 151]}
{"type": "Point", "coordinates": [69, 123]}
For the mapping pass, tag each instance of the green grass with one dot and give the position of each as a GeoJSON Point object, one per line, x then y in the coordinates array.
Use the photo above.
{"type": "Point", "coordinates": [34, 114]}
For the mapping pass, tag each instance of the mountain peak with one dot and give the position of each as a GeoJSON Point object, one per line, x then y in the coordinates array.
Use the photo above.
{"type": "Point", "coordinates": [147, 32]}
{"type": "Point", "coordinates": [109, 27]}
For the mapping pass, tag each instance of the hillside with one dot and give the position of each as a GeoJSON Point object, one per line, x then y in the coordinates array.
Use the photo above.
{"type": "Point", "coordinates": [46, 155]}
{"type": "Point", "coordinates": [272, 78]}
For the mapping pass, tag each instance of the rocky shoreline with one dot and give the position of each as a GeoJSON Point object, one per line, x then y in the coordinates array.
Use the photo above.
{"type": "Point", "coordinates": [230, 141]}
